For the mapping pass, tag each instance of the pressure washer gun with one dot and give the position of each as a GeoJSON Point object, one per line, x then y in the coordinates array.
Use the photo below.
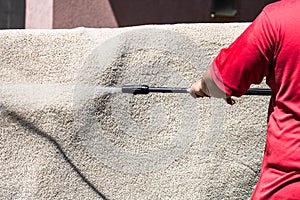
{"type": "Point", "coordinates": [145, 89]}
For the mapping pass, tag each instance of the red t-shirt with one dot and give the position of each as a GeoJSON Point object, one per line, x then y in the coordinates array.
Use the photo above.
{"type": "Point", "coordinates": [270, 47]}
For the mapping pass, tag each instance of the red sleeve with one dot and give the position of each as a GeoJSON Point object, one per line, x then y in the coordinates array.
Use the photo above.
{"type": "Point", "coordinates": [246, 61]}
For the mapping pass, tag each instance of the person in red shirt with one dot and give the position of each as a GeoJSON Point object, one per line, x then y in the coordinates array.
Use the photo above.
{"type": "Point", "coordinates": [269, 47]}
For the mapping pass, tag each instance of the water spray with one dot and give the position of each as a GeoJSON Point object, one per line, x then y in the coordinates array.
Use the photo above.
{"type": "Point", "coordinates": [145, 89]}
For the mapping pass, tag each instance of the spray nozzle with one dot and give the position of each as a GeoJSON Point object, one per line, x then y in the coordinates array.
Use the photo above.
{"type": "Point", "coordinates": [144, 89]}
{"type": "Point", "coordinates": [135, 89]}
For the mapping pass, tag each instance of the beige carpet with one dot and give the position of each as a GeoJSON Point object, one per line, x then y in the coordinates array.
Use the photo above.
{"type": "Point", "coordinates": [65, 136]}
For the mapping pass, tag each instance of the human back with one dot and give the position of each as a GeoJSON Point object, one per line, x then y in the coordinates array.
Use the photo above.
{"type": "Point", "coordinates": [280, 175]}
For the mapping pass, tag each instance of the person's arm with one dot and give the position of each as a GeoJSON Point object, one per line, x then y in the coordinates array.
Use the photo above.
{"type": "Point", "coordinates": [206, 87]}
{"type": "Point", "coordinates": [246, 61]}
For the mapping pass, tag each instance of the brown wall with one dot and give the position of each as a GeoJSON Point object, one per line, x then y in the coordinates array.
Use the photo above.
{"type": "Point", "coordinates": [248, 10]}
{"type": "Point", "coordinates": [159, 11]}
{"type": "Point", "coordinates": [121, 13]}
{"type": "Point", "coordinates": [87, 13]}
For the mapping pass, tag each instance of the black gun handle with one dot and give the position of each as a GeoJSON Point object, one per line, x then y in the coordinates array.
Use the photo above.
{"type": "Point", "coordinates": [259, 91]}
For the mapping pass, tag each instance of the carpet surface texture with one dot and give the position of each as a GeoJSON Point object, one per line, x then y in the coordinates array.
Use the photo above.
{"type": "Point", "coordinates": [67, 132]}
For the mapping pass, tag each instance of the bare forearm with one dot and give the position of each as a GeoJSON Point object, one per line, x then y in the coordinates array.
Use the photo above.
{"type": "Point", "coordinates": [206, 87]}
{"type": "Point", "coordinates": [210, 87]}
